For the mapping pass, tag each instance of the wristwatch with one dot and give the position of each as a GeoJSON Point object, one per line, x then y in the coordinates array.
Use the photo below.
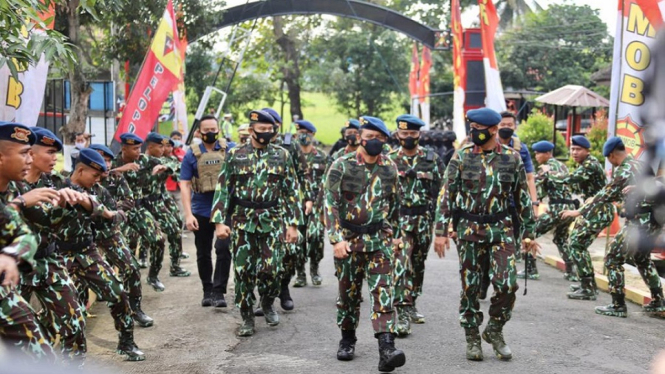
{"type": "Point", "coordinates": [536, 203]}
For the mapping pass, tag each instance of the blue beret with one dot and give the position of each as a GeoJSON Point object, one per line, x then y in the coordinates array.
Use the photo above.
{"type": "Point", "coordinates": [129, 138]}
{"type": "Point", "coordinates": [373, 123]}
{"type": "Point", "coordinates": [301, 124]}
{"type": "Point", "coordinates": [155, 137]}
{"type": "Point", "coordinates": [261, 116]}
{"type": "Point", "coordinates": [543, 146]}
{"type": "Point", "coordinates": [274, 115]}
{"type": "Point", "coordinates": [611, 144]}
{"type": "Point", "coordinates": [484, 116]}
{"type": "Point", "coordinates": [353, 123]}
{"type": "Point", "coordinates": [581, 141]}
{"type": "Point", "coordinates": [46, 138]}
{"type": "Point", "coordinates": [93, 159]}
{"type": "Point", "coordinates": [17, 133]}
{"type": "Point", "coordinates": [409, 122]}
{"type": "Point", "coordinates": [102, 148]}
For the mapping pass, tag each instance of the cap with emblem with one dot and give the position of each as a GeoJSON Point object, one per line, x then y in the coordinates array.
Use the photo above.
{"type": "Point", "coordinates": [484, 116]}
{"type": "Point", "coordinates": [302, 124]}
{"type": "Point", "coordinates": [17, 133]}
{"type": "Point", "coordinates": [611, 144]}
{"type": "Point", "coordinates": [129, 138]}
{"type": "Point", "coordinates": [352, 123]}
{"type": "Point", "coordinates": [542, 146]}
{"type": "Point", "coordinates": [581, 141]}
{"type": "Point", "coordinates": [274, 114]}
{"type": "Point", "coordinates": [155, 137]}
{"type": "Point", "coordinates": [409, 122]}
{"type": "Point", "coordinates": [373, 123]}
{"type": "Point", "coordinates": [93, 159]}
{"type": "Point", "coordinates": [261, 116]}
{"type": "Point", "coordinates": [46, 138]}
{"type": "Point", "coordinates": [105, 151]}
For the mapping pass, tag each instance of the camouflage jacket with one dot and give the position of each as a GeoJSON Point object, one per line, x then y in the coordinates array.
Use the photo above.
{"type": "Point", "coordinates": [317, 166]}
{"type": "Point", "coordinates": [362, 194]}
{"type": "Point", "coordinates": [258, 176]}
{"type": "Point", "coordinates": [484, 183]}
{"type": "Point", "coordinates": [300, 166]}
{"type": "Point", "coordinates": [174, 171]}
{"type": "Point", "coordinates": [419, 184]}
{"type": "Point", "coordinates": [340, 153]}
{"type": "Point", "coordinates": [117, 196]}
{"type": "Point", "coordinates": [16, 238]}
{"type": "Point", "coordinates": [548, 188]}
{"type": "Point", "coordinates": [139, 181]}
{"type": "Point", "coordinates": [76, 228]}
{"type": "Point", "coordinates": [122, 195]}
{"type": "Point", "coordinates": [586, 180]}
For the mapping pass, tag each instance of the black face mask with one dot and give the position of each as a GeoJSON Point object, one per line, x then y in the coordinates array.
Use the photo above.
{"type": "Point", "coordinates": [210, 137]}
{"type": "Point", "coordinates": [480, 137]}
{"type": "Point", "coordinates": [373, 147]}
{"type": "Point", "coordinates": [264, 137]}
{"type": "Point", "coordinates": [409, 142]}
{"type": "Point", "coordinates": [506, 133]}
{"type": "Point", "coordinates": [305, 139]}
{"type": "Point", "coordinates": [351, 140]}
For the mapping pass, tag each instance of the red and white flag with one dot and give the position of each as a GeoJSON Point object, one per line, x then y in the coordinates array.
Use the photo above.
{"type": "Point", "coordinates": [459, 71]}
{"type": "Point", "coordinates": [423, 89]}
{"type": "Point", "coordinates": [489, 22]}
{"type": "Point", "coordinates": [414, 81]}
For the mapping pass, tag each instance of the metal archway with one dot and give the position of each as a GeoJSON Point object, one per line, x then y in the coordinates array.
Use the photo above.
{"type": "Point", "coordinates": [360, 10]}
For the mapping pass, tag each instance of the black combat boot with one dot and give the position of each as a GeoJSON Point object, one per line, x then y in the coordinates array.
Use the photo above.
{"type": "Point", "coordinates": [571, 273]}
{"type": "Point", "coordinates": [314, 273]}
{"type": "Point", "coordinates": [128, 348]}
{"type": "Point", "coordinates": [616, 309]}
{"type": "Point", "coordinates": [389, 357]}
{"type": "Point", "coordinates": [272, 319]}
{"type": "Point", "coordinates": [285, 300]}
{"type": "Point", "coordinates": [140, 318]}
{"type": "Point", "coordinates": [301, 278]}
{"type": "Point", "coordinates": [207, 298]}
{"type": "Point", "coordinates": [586, 290]}
{"type": "Point", "coordinates": [403, 325]}
{"type": "Point", "coordinates": [347, 346]}
{"type": "Point", "coordinates": [154, 281]}
{"type": "Point", "coordinates": [218, 300]}
{"type": "Point", "coordinates": [656, 304]}
{"type": "Point", "coordinates": [474, 351]}
{"type": "Point", "coordinates": [247, 327]}
{"type": "Point", "coordinates": [416, 317]}
{"type": "Point", "coordinates": [177, 271]}
{"type": "Point", "coordinates": [531, 268]}
{"type": "Point", "coordinates": [493, 334]}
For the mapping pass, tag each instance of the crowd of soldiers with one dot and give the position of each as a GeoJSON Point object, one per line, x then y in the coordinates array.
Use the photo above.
{"type": "Point", "coordinates": [381, 199]}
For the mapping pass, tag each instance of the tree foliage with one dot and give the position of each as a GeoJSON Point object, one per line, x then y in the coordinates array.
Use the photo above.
{"type": "Point", "coordinates": [540, 127]}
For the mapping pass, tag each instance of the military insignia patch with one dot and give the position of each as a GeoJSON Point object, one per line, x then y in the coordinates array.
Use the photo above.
{"type": "Point", "coordinates": [403, 125]}
{"type": "Point", "coordinates": [48, 141]}
{"type": "Point", "coordinates": [21, 134]}
{"type": "Point", "coordinates": [130, 141]}
{"type": "Point", "coordinates": [254, 117]}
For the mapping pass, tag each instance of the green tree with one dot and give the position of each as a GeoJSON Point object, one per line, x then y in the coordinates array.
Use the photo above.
{"type": "Point", "coordinates": [540, 127]}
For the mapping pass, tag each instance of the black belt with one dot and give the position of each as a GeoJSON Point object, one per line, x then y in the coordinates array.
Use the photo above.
{"type": "Point", "coordinates": [254, 204]}
{"type": "Point", "coordinates": [414, 210]}
{"type": "Point", "coordinates": [69, 247]}
{"type": "Point", "coordinates": [485, 218]}
{"type": "Point", "coordinates": [45, 251]}
{"type": "Point", "coordinates": [371, 229]}
{"type": "Point", "coordinates": [565, 201]}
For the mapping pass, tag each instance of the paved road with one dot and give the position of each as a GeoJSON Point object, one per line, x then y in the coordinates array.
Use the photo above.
{"type": "Point", "coordinates": [548, 333]}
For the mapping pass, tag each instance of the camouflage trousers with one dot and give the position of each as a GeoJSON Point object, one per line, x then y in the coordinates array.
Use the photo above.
{"type": "Point", "coordinates": [257, 261]}
{"type": "Point", "coordinates": [409, 267]}
{"type": "Point", "coordinates": [62, 314]}
{"type": "Point", "coordinates": [551, 220]}
{"type": "Point", "coordinates": [295, 254]}
{"type": "Point", "coordinates": [314, 238]}
{"type": "Point", "coordinates": [619, 254]}
{"type": "Point", "coordinates": [170, 225]}
{"type": "Point", "coordinates": [585, 230]}
{"type": "Point", "coordinates": [501, 257]}
{"type": "Point", "coordinates": [90, 269]}
{"type": "Point", "coordinates": [19, 327]}
{"type": "Point", "coordinates": [178, 225]}
{"type": "Point", "coordinates": [376, 267]}
{"type": "Point", "coordinates": [117, 254]}
{"type": "Point", "coordinates": [143, 229]}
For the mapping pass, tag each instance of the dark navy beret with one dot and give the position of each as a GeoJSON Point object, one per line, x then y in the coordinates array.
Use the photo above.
{"type": "Point", "coordinates": [353, 123]}
{"type": "Point", "coordinates": [92, 158]}
{"type": "Point", "coordinates": [543, 146]}
{"type": "Point", "coordinates": [484, 116]}
{"type": "Point", "coordinates": [409, 122]}
{"type": "Point", "coordinates": [373, 123]}
{"type": "Point", "coordinates": [17, 133]}
{"type": "Point", "coordinates": [103, 149]}
{"type": "Point", "coordinates": [155, 137]}
{"type": "Point", "coordinates": [170, 141]}
{"type": "Point", "coordinates": [129, 138]}
{"type": "Point", "coordinates": [46, 138]}
{"type": "Point", "coordinates": [261, 116]}
{"type": "Point", "coordinates": [274, 115]}
{"type": "Point", "coordinates": [302, 124]}
{"type": "Point", "coordinates": [611, 144]}
{"type": "Point", "coordinates": [581, 141]}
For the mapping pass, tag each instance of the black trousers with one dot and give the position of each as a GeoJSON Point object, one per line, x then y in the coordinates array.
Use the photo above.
{"type": "Point", "coordinates": [203, 239]}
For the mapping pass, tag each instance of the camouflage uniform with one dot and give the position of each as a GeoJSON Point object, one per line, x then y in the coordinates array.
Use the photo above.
{"type": "Point", "coordinates": [264, 193]}
{"type": "Point", "coordinates": [361, 208]}
{"type": "Point", "coordinates": [476, 199]}
{"type": "Point", "coordinates": [419, 186]}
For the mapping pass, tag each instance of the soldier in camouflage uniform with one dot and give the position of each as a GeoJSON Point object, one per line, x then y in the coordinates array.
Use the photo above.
{"type": "Point", "coordinates": [259, 180]}
{"type": "Point", "coordinates": [625, 173]}
{"type": "Point", "coordinates": [142, 226]}
{"type": "Point", "coordinates": [114, 193]}
{"type": "Point", "coordinates": [351, 135]}
{"type": "Point", "coordinates": [362, 218]}
{"type": "Point", "coordinates": [171, 204]}
{"type": "Point", "coordinates": [587, 180]}
{"type": "Point", "coordinates": [312, 229]}
{"type": "Point", "coordinates": [480, 182]}
{"type": "Point", "coordinates": [419, 186]}
{"type": "Point", "coordinates": [83, 260]}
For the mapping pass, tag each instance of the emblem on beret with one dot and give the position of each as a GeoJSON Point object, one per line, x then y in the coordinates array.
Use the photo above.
{"type": "Point", "coordinates": [48, 141]}
{"type": "Point", "coordinates": [254, 117]}
{"type": "Point", "coordinates": [130, 141]}
{"type": "Point", "coordinates": [403, 125]}
{"type": "Point", "coordinates": [96, 165]}
{"type": "Point", "coordinates": [21, 134]}
{"type": "Point", "coordinates": [165, 141]}
{"type": "Point", "coordinates": [347, 124]}
{"type": "Point", "coordinates": [364, 121]}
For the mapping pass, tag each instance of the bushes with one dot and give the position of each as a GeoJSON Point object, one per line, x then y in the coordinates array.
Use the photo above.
{"type": "Point", "coordinates": [598, 135]}
{"type": "Point", "coordinates": [540, 127]}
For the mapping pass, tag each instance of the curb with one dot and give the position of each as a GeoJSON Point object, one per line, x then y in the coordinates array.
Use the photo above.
{"type": "Point", "coordinates": [634, 295]}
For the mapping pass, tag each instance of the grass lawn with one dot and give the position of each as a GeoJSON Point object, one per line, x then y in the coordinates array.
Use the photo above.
{"type": "Point", "coordinates": [319, 109]}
